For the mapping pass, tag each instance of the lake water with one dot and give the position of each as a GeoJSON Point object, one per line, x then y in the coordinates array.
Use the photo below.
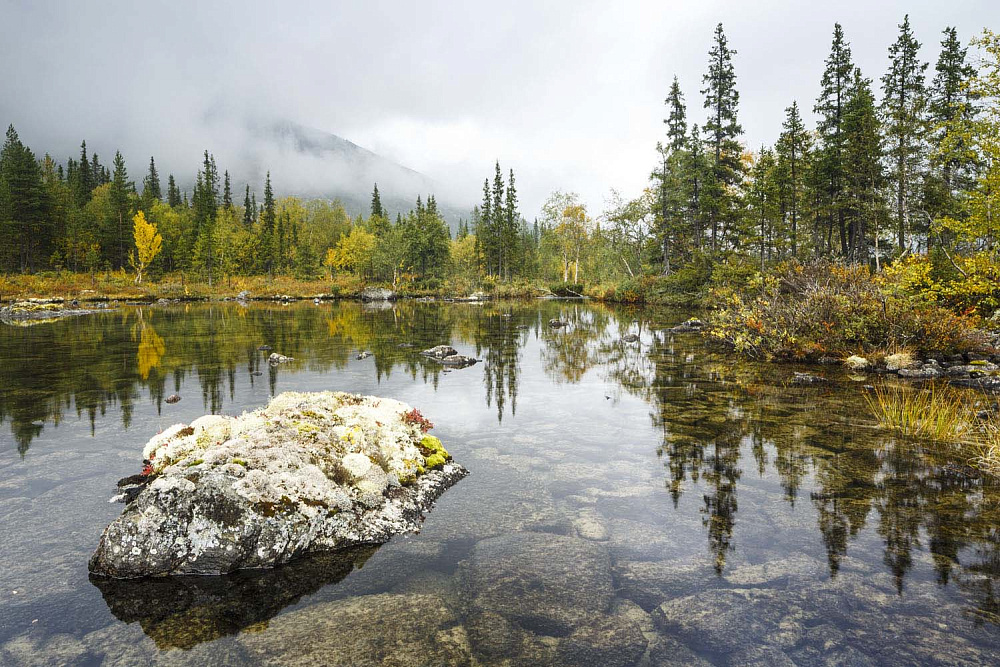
{"type": "Point", "coordinates": [651, 503]}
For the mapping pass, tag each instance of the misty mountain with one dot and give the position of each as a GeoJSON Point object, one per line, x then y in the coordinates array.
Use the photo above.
{"type": "Point", "coordinates": [317, 164]}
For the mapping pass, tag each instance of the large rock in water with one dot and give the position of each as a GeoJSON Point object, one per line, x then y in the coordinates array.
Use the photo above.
{"type": "Point", "coordinates": [308, 473]}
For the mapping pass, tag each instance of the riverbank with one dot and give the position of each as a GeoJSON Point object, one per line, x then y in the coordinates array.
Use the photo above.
{"type": "Point", "coordinates": [63, 287]}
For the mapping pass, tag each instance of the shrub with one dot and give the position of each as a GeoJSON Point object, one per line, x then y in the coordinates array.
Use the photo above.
{"type": "Point", "coordinates": [566, 289]}
{"type": "Point", "coordinates": [806, 311]}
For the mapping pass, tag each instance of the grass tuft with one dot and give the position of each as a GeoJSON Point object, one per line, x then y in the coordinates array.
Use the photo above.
{"type": "Point", "coordinates": [936, 413]}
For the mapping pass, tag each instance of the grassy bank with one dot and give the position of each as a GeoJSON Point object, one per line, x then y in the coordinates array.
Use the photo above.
{"type": "Point", "coordinates": [806, 312]}
{"type": "Point", "coordinates": [112, 286]}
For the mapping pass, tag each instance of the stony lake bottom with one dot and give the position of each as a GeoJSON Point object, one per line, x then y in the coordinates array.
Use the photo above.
{"type": "Point", "coordinates": [649, 503]}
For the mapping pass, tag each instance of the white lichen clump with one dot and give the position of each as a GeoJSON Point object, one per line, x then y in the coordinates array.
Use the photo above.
{"type": "Point", "coordinates": [316, 451]}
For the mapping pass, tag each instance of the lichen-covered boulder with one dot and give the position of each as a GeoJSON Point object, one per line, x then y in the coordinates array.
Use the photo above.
{"type": "Point", "coordinates": [311, 472]}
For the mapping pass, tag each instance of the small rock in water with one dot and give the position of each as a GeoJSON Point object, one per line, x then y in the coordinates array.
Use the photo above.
{"type": "Point", "coordinates": [459, 361]}
{"type": "Point", "coordinates": [692, 324]}
{"type": "Point", "coordinates": [630, 338]}
{"type": "Point", "coordinates": [808, 378]}
{"type": "Point", "coordinates": [264, 348]}
{"type": "Point", "coordinates": [276, 359]}
{"type": "Point", "coordinates": [172, 398]}
{"type": "Point", "coordinates": [364, 355]}
{"type": "Point", "coordinates": [440, 351]}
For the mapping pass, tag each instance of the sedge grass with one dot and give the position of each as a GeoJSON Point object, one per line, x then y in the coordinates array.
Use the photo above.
{"type": "Point", "coordinates": [944, 414]}
{"type": "Point", "coordinates": [935, 413]}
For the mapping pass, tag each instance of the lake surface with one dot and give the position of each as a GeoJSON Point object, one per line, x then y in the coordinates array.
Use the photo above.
{"type": "Point", "coordinates": [650, 503]}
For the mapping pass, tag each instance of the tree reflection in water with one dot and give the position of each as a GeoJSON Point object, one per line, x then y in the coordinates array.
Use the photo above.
{"type": "Point", "coordinates": [719, 422]}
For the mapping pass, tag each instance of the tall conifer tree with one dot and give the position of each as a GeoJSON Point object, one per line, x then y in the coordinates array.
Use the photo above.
{"type": "Point", "coordinates": [903, 108]}
{"type": "Point", "coordinates": [722, 129]}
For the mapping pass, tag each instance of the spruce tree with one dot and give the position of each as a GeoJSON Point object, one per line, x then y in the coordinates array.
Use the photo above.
{"type": "Point", "coordinates": [512, 223]}
{"type": "Point", "coordinates": [484, 230]}
{"type": "Point", "coordinates": [676, 120]}
{"type": "Point", "coordinates": [227, 193]}
{"type": "Point", "coordinates": [722, 100]}
{"type": "Point", "coordinates": [151, 185]}
{"type": "Point", "coordinates": [865, 179]}
{"type": "Point", "coordinates": [85, 181]}
{"type": "Point", "coordinates": [376, 208]}
{"type": "Point", "coordinates": [903, 107]}
{"type": "Point", "coordinates": [248, 210]}
{"type": "Point", "coordinates": [948, 104]}
{"type": "Point", "coordinates": [173, 192]}
{"type": "Point", "coordinates": [792, 159]}
{"type": "Point", "coordinates": [121, 211]}
{"type": "Point", "coordinates": [499, 224]}
{"type": "Point", "coordinates": [267, 237]}
{"type": "Point", "coordinates": [836, 81]}
{"type": "Point", "coordinates": [24, 220]}
{"type": "Point", "coordinates": [671, 183]}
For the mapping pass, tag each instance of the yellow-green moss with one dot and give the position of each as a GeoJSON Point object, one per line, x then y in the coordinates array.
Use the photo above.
{"type": "Point", "coordinates": [435, 455]}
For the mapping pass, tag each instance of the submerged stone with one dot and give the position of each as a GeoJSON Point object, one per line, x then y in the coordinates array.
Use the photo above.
{"type": "Point", "coordinates": [311, 472]}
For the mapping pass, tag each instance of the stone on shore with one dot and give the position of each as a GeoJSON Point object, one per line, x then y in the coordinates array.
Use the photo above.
{"type": "Point", "coordinates": [377, 294]}
{"type": "Point", "coordinates": [311, 472]}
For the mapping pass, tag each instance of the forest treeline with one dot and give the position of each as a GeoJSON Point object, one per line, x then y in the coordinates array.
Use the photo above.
{"type": "Point", "coordinates": [899, 172]}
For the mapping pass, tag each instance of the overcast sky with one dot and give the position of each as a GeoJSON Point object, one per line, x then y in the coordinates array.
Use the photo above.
{"type": "Point", "coordinates": [568, 94]}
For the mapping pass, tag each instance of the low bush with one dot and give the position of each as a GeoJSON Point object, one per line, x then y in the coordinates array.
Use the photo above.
{"type": "Point", "coordinates": [801, 312]}
{"type": "Point", "coordinates": [566, 289]}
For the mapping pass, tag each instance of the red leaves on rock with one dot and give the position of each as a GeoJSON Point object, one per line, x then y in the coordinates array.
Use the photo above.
{"type": "Point", "coordinates": [415, 418]}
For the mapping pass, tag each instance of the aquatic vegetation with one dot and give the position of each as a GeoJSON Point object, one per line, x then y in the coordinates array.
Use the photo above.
{"type": "Point", "coordinates": [938, 412]}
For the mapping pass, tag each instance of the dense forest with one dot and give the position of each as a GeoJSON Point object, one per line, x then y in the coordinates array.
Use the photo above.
{"type": "Point", "coordinates": [902, 172]}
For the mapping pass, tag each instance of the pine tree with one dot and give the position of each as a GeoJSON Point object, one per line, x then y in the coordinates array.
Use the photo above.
{"type": "Point", "coordinates": [903, 107]}
{"type": "Point", "coordinates": [173, 192]}
{"type": "Point", "coordinates": [835, 83]}
{"type": "Point", "coordinates": [792, 159]}
{"type": "Point", "coordinates": [151, 185]}
{"type": "Point", "coordinates": [722, 100]}
{"type": "Point", "coordinates": [376, 209]}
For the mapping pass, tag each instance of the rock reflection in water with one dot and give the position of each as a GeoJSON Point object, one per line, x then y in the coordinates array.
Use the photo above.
{"type": "Point", "coordinates": [184, 611]}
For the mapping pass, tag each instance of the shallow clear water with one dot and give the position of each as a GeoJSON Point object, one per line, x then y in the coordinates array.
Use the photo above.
{"type": "Point", "coordinates": [647, 503]}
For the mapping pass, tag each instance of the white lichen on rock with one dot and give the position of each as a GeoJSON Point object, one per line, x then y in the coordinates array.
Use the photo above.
{"type": "Point", "coordinates": [310, 471]}
{"type": "Point", "coordinates": [325, 449]}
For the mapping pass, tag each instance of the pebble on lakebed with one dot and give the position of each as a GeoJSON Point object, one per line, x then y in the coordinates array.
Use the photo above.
{"type": "Point", "coordinates": [310, 472]}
